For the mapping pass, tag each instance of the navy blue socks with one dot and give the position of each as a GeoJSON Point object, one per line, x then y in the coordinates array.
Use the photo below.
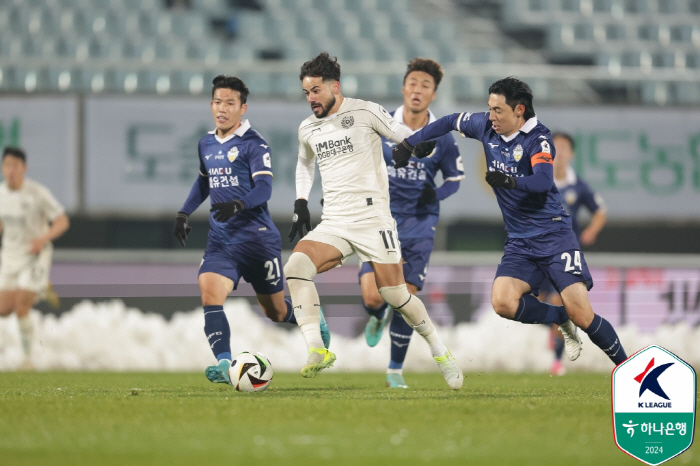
{"type": "Point", "coordinates": [378, 313]}
{"type": "Point", "coordinates": [400, 333]}
{"type": "Point", "coordinates": [533, 311]}
{"type": "Point", "coordinates": [218, 332]}
{"type": "Point", "coordinates": [603, 335]}
{"type": "Point", "coordinates": [558, 347]}
{"type": "Point", "coordinates": [290, 317]}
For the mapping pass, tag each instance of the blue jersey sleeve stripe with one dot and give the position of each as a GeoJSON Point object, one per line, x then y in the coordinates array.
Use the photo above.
{"type": "Point", "coordinates": [262, 173]}
{"type": "Point", "coordinates": [204, 175]}
{"type": "Point", "coordinates": [455, 178]}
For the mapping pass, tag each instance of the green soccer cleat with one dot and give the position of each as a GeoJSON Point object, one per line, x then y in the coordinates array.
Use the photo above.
{"type": "Point", "coordinates": [395, 381]}
{"type": "Point", "coordinates": [325, 333]}
{"type": "Point", "coordinates": [219, 373]}
{"type": "Point", "coordinates": [318, 360]}
{"type": "Point", "coordinates": [375, 327]}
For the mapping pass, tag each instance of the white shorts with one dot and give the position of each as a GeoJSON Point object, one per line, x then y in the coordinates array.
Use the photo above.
{"type": "Point", "coordinates": [31, 274]}
{"type": "Point", "coordinates": [374, 239]}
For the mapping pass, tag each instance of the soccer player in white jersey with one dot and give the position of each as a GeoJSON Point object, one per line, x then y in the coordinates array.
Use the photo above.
{"type": "Point", "coordinates": [344, 136]}
{"type": "Point", "coordinates": [30, 218]}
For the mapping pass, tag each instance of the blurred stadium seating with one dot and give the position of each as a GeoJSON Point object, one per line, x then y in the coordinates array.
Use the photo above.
{"type": "Point", "coordinates": [650, 47]}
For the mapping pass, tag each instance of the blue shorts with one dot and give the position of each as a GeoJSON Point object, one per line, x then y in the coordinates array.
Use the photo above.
{"type": "Point", "coordinates": [416, 252]}
{"type": "Point", "coordinates": [556, 256]}
{"type": "Point", "coordinates": [260, 264]}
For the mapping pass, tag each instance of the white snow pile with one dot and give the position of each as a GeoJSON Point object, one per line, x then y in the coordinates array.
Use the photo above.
{"type": "Point", "coordinates": [110, 336]}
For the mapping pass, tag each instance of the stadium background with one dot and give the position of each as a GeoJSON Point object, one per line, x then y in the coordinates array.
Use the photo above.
{"type": "Point", "coordinates": [109, 98]}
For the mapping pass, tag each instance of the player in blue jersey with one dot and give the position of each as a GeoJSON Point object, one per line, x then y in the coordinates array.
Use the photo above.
{"type": "Point", "coordinates": [540, 243]}
{"type": "Point", "coordinates": [415, 205]}
{"type": "Point", "coordinates": [575, 194]}
{"type": "Point", "coordinates": [235, 169]}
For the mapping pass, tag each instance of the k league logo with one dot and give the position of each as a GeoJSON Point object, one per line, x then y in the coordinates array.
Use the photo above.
{"type": "Point", "coordinates": [653, 404]}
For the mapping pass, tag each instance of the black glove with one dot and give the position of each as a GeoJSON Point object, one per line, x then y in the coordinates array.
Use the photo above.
{"type": "Point", "coordinates": [402, 152]}
{"type": "Point", "coordinates": [427, 196]}
{"type": "Point", "coordinates": [225, 210]}
{"type": "Point", "coordinates": [424, 149]}
{"type": "Point", "coordinates": [301, 219]}
{"type": "Point", "coordinates": [182, 229]}
{"type": "Point", "coordinates": [498, 179]}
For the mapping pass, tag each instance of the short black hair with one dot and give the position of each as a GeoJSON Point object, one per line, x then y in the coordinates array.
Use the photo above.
{"type": "Point", "coordinates": [15, 152]}
{"type": "Point", "coordinates": [323, 66]}
{"type": "Point", "coordinates": [566, 136]}
{"type": "Point", "coordinates": [425, 65]}
{"type": "Point", "coordinates": [516, 92]}
{"type": "Point", "coordinates": [233, 83]}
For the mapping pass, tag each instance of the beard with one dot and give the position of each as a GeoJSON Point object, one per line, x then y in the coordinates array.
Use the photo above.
{"type": "Point", "coordinates": [325, 108]}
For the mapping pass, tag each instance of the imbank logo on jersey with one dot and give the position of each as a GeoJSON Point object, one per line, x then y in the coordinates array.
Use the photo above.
{"type": "Point", "coordinates": [653, 402]}
{"type": "Point", "coordinates": [333, 147]}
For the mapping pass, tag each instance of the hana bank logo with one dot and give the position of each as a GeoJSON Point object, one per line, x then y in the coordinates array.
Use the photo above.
{"type": "Point", "coordinates": [649, 381]}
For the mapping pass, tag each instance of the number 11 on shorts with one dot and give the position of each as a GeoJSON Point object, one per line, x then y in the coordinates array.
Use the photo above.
{"type": "Point", "coordinates": [390, 235]}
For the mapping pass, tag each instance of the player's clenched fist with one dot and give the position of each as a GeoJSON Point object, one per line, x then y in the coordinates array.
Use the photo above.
{"type": "Point", "coordinates": [301, 219]}
{"type": "Point", "coordinates": [182, 229]}
{"type": "Point", "coordinates": [402, 151]}
{"type": "Point", "coordinates": [223, 211]}
{"type": "Point", "coordinates": [498, 179]}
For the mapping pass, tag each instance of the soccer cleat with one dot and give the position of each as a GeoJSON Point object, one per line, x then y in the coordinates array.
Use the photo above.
{"type": "Point", "coordinates": [395, 381]}
{"type": "Point", "coordinates": [318, 360]}
{"type": "Point", "coordinates": [557, 368]}
{"type": "Point", "coordinates": [51, 297]}
{"type": "Point", "coordinates": [375, 327]}
{"type": "Point", "coordinates": [572, 342]}
{"type": "Point", "coordinates": [325, 333]}
{"type": "Point", "coordinates": [450, 370]}
{"type": "Point", "coordinates": [219, 373]}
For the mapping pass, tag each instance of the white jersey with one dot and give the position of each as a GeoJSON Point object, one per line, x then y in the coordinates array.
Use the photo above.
{"type": "Point", "coordinates": [25, 214]}
{"type": "Point", "coordinates": [348, 149]}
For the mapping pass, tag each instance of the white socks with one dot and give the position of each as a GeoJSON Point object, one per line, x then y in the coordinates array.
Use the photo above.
{"type": "Point", "coordinates": [413, 311]}
{"type": "Point", "coordinates": [26, 331]}
{"type": "Point", "coordinates": [300, 272]}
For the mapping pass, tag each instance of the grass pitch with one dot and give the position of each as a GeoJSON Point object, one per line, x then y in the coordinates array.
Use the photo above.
{"type": "Point", "coordinates": [70, 418]}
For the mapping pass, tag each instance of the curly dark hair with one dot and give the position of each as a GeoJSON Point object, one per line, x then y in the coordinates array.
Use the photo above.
{"type": "Point", "coordinates": [566, 136]}
{"type": "Point", "coordinates": [233, 83]}
{"type": "Point", "coordinates": [516, 92]}
{"type": "Point", "coordinates": [425, 65]}
{"type": "Point", "coordinates": [323, 66]}
{"type": "Point", "coordinates": [15, 152]}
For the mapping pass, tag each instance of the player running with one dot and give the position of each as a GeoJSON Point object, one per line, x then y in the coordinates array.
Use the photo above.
{"type": "Point", "coordinates": [30, 218]}
{"type": "Point", "coordinates": [575, 193]}
{"type": "Point", "coordinates": [415, 207]}
{"type": "Point", "coordinates": [540, 241]}
{"type": "Point", "coordinates": [344, 136]}
{"type": "Point", "coordinates": [235, 168]}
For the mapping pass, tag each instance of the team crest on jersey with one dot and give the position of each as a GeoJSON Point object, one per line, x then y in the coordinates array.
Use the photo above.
{"type": "Point", "coordinates": [347, 122]}
{"type": "Point", "coordinates": [518, 153]}
{"type": "Point", "coordinates": [232, 154]}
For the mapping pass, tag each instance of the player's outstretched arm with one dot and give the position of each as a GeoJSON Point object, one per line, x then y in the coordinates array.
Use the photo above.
{"type": "Point", "coordinates": [541, 181]}
{"type": "Point", "coordinates": [301, 219]}
{"type": "Point", "coordinates": [434, 130]}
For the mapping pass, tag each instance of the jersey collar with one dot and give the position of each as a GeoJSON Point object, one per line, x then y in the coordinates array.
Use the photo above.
{"type": "Point", "coordinates": [398, 116]}
{"type": "Point", "coordinates": [526, 128]}
{"type": "Point", "coordinates": [245, 126]}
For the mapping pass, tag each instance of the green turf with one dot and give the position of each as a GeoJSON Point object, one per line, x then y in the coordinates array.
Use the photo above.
{"type": "Point", "coordinates": [68, 418]}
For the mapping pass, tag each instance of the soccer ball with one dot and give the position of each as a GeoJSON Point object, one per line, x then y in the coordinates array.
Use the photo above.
{"type": "Point", "coordinates": [250, 372]}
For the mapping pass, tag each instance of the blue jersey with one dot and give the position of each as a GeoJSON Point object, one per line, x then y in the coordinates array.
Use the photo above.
{"type": "Point", "coordinates": [406, 184]}
{"type": "Point", "coordinates": [525, 214]}
{"type": "Point", "coordinates": [575, 193]}
{"type": "Point", "coordinates": [230, 165]}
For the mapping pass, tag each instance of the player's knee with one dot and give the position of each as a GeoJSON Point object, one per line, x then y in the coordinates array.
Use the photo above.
{"type": "Point", "coordinates": [372, 300]}
{"type": "Point", "coordinates": [299, 266]}
{"type": "Point", "coordinates": [504, 306]}
{"type": "Point", "coordinates": [395, 296]}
